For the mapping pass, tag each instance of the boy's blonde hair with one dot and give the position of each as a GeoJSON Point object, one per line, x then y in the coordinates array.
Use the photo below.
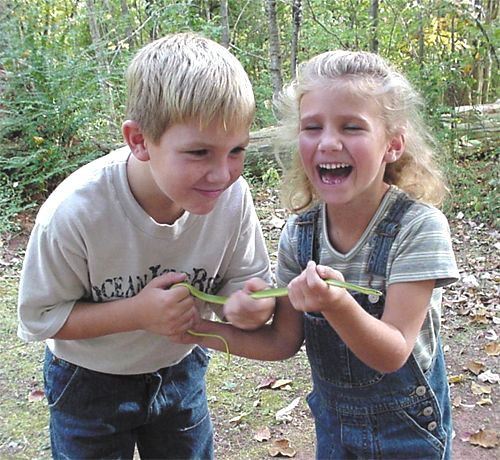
{"type": "Point", "coordinates": [185, 76]}
{"type": "Point", "coordinates": [367, 75]}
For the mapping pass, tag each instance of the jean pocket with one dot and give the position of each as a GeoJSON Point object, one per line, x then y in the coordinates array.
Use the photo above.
{"type": "Point", "coordinates": [59, 377]}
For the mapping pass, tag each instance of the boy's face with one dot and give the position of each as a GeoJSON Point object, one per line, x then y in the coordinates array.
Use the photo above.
{"type": "Point", "coordinates": [191, 166]}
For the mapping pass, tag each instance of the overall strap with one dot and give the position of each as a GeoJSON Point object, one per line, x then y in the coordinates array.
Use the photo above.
{"type": "Point", "coordinates": [307, 238]}
{"type": "Point", "coordinates": [385, 234]}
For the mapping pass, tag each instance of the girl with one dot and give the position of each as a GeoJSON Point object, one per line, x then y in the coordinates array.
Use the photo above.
{"type": "Point", "coordinates": [365, 177]}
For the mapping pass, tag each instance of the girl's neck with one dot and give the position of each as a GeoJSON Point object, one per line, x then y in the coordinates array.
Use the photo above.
{"type": "Point", "coordinates": [347, 223]}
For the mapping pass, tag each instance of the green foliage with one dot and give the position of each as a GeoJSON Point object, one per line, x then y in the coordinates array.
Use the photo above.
{"type": "Point", "coordinates": [62, 65]}
{"type": "Point", "coordinates": [474, 177]}
{"type": "Point", "coordinates": [262, 173]}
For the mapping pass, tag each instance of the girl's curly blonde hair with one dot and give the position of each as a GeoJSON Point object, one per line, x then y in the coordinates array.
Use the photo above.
{"type": "Point", "coordinates": [369, 75]}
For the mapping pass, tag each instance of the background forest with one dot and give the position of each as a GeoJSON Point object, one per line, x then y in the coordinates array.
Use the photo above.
{"type": "Point", "coordinates": [62, 64]}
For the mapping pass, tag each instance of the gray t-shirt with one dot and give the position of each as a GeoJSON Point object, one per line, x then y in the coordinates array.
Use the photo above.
{"type": "Point", "coordinates": [93, 241]}
{"type": "Point", "coordinates": [422, 250]}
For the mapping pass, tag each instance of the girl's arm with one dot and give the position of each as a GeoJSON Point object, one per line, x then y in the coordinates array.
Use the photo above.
{"type": "Point", "coordinates": [272, 342]}
{"type": "Point", "coordinates": [383, 344]}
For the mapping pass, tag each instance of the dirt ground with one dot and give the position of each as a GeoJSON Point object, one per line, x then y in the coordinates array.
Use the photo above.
{"type": "Point", "coordinates": [240, 395]}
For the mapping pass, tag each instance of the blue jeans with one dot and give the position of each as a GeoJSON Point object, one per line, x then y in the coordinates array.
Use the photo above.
{"type": "Point", "coordinates": [97, 415]}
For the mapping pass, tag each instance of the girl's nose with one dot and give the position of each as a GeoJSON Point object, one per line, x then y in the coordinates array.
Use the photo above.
{"type": "Point", "coordinates": [330, 141]}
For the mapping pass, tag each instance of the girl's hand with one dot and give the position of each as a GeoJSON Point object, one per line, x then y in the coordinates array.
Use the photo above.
{"type": "Point", "coordinates": [165, 311]}
{"type": "Point", "coordinates": [308, 292]}
{"type": "Point", "coordinates": [246, 313]}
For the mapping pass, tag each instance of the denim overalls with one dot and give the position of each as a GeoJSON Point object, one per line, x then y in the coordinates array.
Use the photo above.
{"type": "Point", "coordinates": [359, 412]}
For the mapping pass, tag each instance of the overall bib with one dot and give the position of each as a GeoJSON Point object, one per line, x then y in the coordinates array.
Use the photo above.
{"type": "Point", "coordinates": [359, 412]}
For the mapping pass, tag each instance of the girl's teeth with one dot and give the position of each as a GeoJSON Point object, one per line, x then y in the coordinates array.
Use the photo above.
{"type": "Point", "coordinates": [333, 166]}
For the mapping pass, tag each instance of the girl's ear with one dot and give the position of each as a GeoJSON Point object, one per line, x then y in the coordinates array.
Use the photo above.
{"type": "Point", "coordinates": [395, 149]}
{"type": "Point", "coordinates": [134, 137]}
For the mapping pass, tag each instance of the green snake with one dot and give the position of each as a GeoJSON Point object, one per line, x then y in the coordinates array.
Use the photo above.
{"type": "Point", "coordinates": [265, 293]}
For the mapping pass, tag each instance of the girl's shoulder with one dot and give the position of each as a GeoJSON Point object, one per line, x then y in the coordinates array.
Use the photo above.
{"type": "Point", "coordinates": [312, 215]}
{"type": "Point", "coordinates": [418, 214]}
{"type": "Point", "coordinates": [424, 217]}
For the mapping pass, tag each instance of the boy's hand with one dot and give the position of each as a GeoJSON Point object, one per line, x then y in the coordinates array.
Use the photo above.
{"type": "Point", "coordinates": [308, 292]}
{"type": "Point", "coordinates": [246, 313]}
{"type": "Point", "coordinates": [166, 311]}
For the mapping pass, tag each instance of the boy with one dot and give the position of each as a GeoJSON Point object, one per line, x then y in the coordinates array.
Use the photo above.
{"type": "Point", "coordinates": [117, 233]}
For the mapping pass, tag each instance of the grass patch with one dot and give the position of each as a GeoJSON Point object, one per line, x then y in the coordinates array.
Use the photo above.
{"type": "Point", "coordinates": [23, 423]}
{"type": "Point", "coordinates": [240, 408]}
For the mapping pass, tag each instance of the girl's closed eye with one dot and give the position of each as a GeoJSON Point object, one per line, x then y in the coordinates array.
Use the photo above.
{"type": "Point", "coordinates": [310, 127]}
{"type": "Point", "coordinates": [238, 151]}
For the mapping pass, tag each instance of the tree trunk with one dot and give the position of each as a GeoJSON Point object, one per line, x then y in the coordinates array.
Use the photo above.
{"type": "Point", "coordinates": [374, 25]}
{"type": "Point", "coordinates": [297, 19]}
{"type": "Point", "coordinates": [103, 66]}
{"type": "Point", "coordinates": [274, 47]}
{"type": "Point", "coordinates": [128, 30]}
{"type": "Point", "coordinates": [224, 19]}
{"type": "Point", "coordinates": [421, 45]}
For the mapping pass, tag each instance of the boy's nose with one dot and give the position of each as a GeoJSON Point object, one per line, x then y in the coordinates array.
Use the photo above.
{"type": "Point", "coordinates": [219, 172]}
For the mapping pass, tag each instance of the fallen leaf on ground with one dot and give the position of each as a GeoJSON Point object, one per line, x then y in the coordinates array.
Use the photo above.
{"type": "Point", "coordinates": [281, 447]}
{"type": "Point", "coordinates": [485, 402]}
{"type": "Point", "coordinates": [266, 383]}
{"type": "Point", "coordinates": [284, 414]}
{"type": "Point", "coordinates": [277, 222]}
{"type": "Point", "coordinates": [275, 384]}
{"type": "Point", "coordinates": [262, 434]}
{"type": "Point", "coordinates": [484, 438]}
{"type": "Point", "coordinates": [480, 318]}
{"type": "Point", "coordinates": [476, 367]}
{"type": "Point", "coordinates": [491, 335]}
{"type": "Point", "coordinates": [480, 389]}
{"type": "Point", "coordinates": [456, 378]}
{"type": "Point", "coordinates": [237, 420]}
{"type": "Point", "coordinates": [36, 395]}
{"type": "Point", "coordinates": [493, 349]}
{"type": "Point", "coordinates": [470, 281]}
{"type": "Point", "coordinates": [457, 401]}
{"type": "Point", "coordinates": [489, 377]}
{"type": "Point", "coordinates": [280, 383]}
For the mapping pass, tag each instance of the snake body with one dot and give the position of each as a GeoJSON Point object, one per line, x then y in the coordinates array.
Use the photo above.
{"type": "Point", "coordinates": [274, 292]}
{"type": "Point", "coordinates": [265, 293]}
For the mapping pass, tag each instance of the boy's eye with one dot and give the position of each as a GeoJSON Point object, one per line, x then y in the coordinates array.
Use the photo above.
{"type": "Point", "coordinates": [198, 153]}
{"type": "Point", "coordinates": [352, 127]}
{"type": "Point", "coordinates": [310, 127]}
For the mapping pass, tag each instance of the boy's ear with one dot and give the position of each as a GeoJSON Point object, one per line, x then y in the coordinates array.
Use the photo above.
{"type": "Point", "coordinates": [395, 149]}
{"type": "Point", "coordinates": [134, 137]}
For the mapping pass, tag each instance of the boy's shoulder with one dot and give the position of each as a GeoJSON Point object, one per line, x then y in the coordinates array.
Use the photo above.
{"type": "Point", "coordinates": [86, 187]}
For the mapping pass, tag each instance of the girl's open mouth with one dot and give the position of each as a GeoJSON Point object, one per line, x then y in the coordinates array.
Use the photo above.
{"type": "Point", "coordinates": [334, 173]}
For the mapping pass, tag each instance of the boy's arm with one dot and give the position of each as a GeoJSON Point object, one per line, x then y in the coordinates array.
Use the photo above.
{"type": "Point", "coordinates": [272, 342]}
{"type": "Point", "coordinates": [156, 309]}
{"type": "Point", "coordinates": [54, 292]}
